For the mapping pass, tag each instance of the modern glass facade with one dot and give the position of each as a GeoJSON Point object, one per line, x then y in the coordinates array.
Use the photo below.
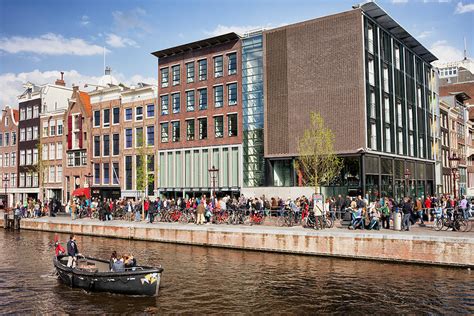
{"type": "Point", "coordinates": [253, 107]}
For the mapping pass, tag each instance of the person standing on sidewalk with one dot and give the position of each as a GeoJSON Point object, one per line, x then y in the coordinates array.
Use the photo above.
{"type": "Point", "coordinates": [385, 210]}
{"type": "Point", "coordinates": [419, 210]}
{"type": "Point", "coordinates": [200, 210]}
{"type": "Point", "coordinates": [463, 207]}
{"type": "Point", "coordinates": [407, 210]}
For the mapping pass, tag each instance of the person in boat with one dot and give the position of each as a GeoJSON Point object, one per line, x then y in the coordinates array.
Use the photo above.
{"type": "Point", "coordinates": [130, 261]}
{"type": "Point", "coordinates": [72, 251]}
{"type": "Point", "coordinates": [118, 265]}
{"type": "Point", "coordinates": [113, 258]}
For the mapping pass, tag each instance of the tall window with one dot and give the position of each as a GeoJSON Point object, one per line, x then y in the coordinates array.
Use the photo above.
{"type": "Point", "coordinates": [418, 96]}
{"type": "Point", "coordinates": [232, 63]}
{"type": "Point", "coordinates": [115, 173]}
{"type": "Point", "coordinates": [371, 71]}
{"type": "Point", "coordinates": [13, 159]}
{"type": "Point", "coordinates": [388, 141]}
{"type": "Point", "coordinates": [60, 127]}
{"type": "Point", "coordinates": [176, 75]}
{"type": "Point", "coordinates": [59, 150]}
{"type": "Point", "coordinates": [59, 173]}
{"type": "Point", "coordinates": [106, 173]}
{"type": "Point", "coordinates": [164, 77]}
{"type": "Point", "coordinates": [35, 111]}
{"type": "Point", "coordinates": [190, 130]}
{"type": "Point", "coordinates": [22, 158]}
{"type": "Point", "coordinates": [164, 104]}
{"type": "Point", "coordinates": [232, 93]}
{"type": "Point", "coordinates": [13, 138]}
{"type": "Point", "coordinates": [45, 129]}
{"type": "Point", "coordinates": [128, 172]}
{"type": "Point", "coordinates": [176, 102]}
{"type": "Point", "coordinates": [7, 139]}
{"type": "Point", "coordinates": [35, 132]}
{"type": "Point", "coordinates": [175, 131]}
{"type": "Point", "coordinates": [139, 137]}
{"type": "Point", "coordinates": [52, 173]}
{"type": "Point", "coordinates": [52, 128]}
{"type": "Point", "coordinates": [190, 72]}
{"type": "Point", "coordinates": [412, 146]}
{"type": "Point", "coordinates": [22, 135]}
{"type": "Point", "coordinates": [116, 115]}
{"type": "Point", "coordinates": [422, 148]}
{"type": "Point", "coordinates": [202, 69]}
{"type": "Point", "coordinates": [410, 118]}
{"type": "Point", "coordinates": [150, 135]}
{"type": "Point", "coordinates": [96, 173]}
{"type": "Point", "coordinates": [128, 114]}
{"type": "Point", "coordinates": [52, 151]}
{"type": "Point", "coordinates": [96, 118]}
{"type": "Point", "coordinates": [373, 136]}
{"type": "Point", "coordinates": [373, 113]}
{"type": "Point", "coordinates": [203, 128]}
{"type": "Point", "coordinates": [29, 112]}
{"type": "Point", "coordinates": [385, 78]}
{"type": "Point", "coordinates": [232, 124]}
{"type": "Point", "coordinates": [115, 144]}
{"type": "Point", "coordinates": [150, 110]}
{"type": "Point", "coordinates": [219, 126]}
{"type": "Point", "coordinates": [106, 117]}
{"type": "Point", "coordinates": [128, 138]}
{"type": "Point", "coordinates": [22, 114]}
{"type": "Point", "coordinates": [218, 96]}
{"type": "Point", "coordinates": [96, 146]}
{"type": "Point", "coordinates": [164, 132]}
{"type": "Point", "coordinates": [106, 143]}
{"type": "Point", "coordinates": [139, 113]}
{"type": "Point", "coordinates": [387, 109]}
{"type": "Point", "coordinates": [202, 99]}
{"type": "Point", "coordinates": [397, 57]}
{"type": "Point", "coordinates": [218, 66]}
{"type": "Point", "coordinates": [190, 100]}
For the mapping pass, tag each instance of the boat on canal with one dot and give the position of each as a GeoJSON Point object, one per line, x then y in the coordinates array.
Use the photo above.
{"type": "Point", "coordinates": [94, 275]}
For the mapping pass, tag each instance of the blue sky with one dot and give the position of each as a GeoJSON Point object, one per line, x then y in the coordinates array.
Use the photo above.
{"type": "Point", "coordinates": [40, 38]}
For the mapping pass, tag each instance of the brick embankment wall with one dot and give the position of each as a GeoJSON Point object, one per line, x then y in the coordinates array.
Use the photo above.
{"type": "Point", "coordinates": [452, 250]}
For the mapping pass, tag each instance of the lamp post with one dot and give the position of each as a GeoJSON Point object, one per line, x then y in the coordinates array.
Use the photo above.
{"type": "Point", "coordinates": [454, 164]}
{"type": "Point", "coordinates": [407, 175]}
{"type": "Point", "coordinates": [5, 184]}
{"type": "Point", "coordinates": [213, 173]}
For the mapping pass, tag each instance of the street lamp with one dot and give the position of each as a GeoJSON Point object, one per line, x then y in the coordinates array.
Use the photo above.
{"type": "Point", "coordinates": [454, 164]}
{"type": "Point", "coordinates": [407, 178]}
{"type": "Point", "coordinates": [213, 172]}
{"type": "Point", "coordinates": [5, 184]}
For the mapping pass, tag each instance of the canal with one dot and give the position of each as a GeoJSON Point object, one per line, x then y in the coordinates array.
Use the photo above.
{"type": "Point", "coordinates": [216, 281]}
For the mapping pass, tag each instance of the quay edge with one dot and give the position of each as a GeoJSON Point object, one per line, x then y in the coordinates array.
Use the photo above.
{"type": "Point", "coordinates": [453, 251]}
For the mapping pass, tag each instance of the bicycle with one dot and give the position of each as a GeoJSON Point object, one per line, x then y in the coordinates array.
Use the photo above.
{"type": "Point", "coordinates": [454, 221]}
{"type": "Point", "coordinates": [286, 219]}
{"type": "Point", "coordinates": [256, 218]}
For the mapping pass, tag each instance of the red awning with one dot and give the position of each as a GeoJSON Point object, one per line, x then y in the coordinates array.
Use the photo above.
{"type": "Point", "coordinates": [82, 192]}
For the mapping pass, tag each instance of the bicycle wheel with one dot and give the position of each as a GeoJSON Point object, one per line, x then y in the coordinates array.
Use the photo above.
{"type": "Point", "coordinates": [183, 219]}
{"type": "Point", "coordinates": [463, 225]}
{"type": "Point", "coordinates": [329, 223]}
{"type": "Point", "coordinates": [281, 221]}
{"type": "Point", "coordinates": [438, 224]}
{"type": "Point", "coordinates": [248, 220]}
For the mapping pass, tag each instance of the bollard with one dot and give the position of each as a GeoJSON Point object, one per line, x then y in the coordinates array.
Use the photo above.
{"type": "Point", "coordinates": [16, 220]}
{"type": "Point", "coordinates": [397, 221]}
{"type": "Point", "coordinates": [5, 220]}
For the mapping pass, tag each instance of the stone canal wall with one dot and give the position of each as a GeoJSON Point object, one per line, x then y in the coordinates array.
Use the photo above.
{"type": "Point", "coordinates": [453, 249]}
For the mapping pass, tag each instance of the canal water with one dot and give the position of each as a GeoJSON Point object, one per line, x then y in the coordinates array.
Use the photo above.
{"type": "Point", "coordinates": [216, 281]}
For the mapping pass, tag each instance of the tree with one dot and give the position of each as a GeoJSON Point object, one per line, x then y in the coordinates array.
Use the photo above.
{"type": "Point", "coordinates": [144, 176]}
{"type": "Point", "coordinates": [317, 160]}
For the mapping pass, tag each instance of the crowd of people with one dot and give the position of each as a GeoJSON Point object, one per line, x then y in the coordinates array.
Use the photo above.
{"type": "Point", "coordinates": [363, 214]}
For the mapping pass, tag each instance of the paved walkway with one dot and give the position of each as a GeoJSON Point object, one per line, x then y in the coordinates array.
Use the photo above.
{"type": "Point", "coordinates": [416, 232]}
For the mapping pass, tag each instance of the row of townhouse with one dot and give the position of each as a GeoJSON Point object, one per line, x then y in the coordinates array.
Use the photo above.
{"type": "Point", "coordinates": [228, 111]}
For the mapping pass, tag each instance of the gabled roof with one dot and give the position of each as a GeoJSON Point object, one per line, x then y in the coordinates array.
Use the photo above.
{"type": "Point", "coordinates": [375, 12]}
{"type": "Point", "coordinates": [221, 39]}
{"type": "Point", "coordinates": [86, 102]}
{"type": "Point", "coordinates": [16, 115]}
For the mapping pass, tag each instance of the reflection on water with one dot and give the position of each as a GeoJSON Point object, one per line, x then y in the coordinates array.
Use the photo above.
{"type": "Point", "coordinates": [209, 280]}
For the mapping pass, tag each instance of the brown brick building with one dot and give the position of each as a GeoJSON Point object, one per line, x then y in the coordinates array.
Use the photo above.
{"type": "Point", "coordinates": [8, 156]}
{"type": "Point", "coordinates": [77, 143]}
{"type": "Point", "coordinates": [200, 115]}
{"type": "Point", "coordinates": [370, 80]}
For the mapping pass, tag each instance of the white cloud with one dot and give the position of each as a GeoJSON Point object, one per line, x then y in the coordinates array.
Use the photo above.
{"type": "Point", "coordinates": [445, 52]}
{"type": "Point", "coordinates": [424, 34]}
{"type": "Point", "coordinates": [49, 44]}
{"type": "Point", "coordinates": [399, 1]}
{"type": "Point", "coordinates": [464, 8]}
{"type": "Point", "coordinates": [115, 40]}
{"type": "Point", "coordinates": [12, 84]}
{"type": "Point", "coordinates": [85, 20]}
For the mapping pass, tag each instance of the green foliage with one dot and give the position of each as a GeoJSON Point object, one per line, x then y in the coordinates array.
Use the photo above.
{"type": "Point", "coordinates": [317, 160]}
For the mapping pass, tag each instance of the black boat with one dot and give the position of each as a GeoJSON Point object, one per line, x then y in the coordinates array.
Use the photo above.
{"type": "Point", "coordinates": [94, 275]}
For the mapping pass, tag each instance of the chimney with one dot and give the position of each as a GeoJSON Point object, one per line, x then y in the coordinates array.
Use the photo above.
{"type": "Point", "coordinates": [75, 88]}
{"type": "Point", "coordinates": [60, 82]}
